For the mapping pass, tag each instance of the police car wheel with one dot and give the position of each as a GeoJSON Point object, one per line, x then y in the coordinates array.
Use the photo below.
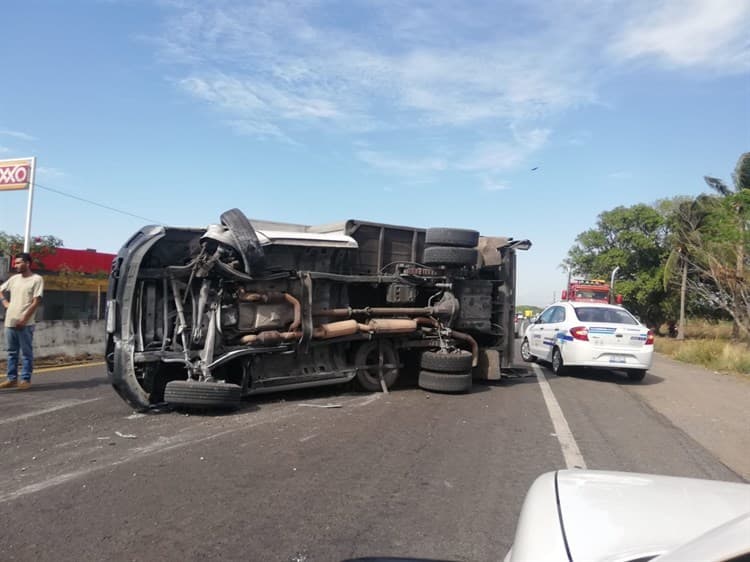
{"type": "Point", "coordinates": [558, 367]}
{"type": "Point", "coordinates": [526, 354]}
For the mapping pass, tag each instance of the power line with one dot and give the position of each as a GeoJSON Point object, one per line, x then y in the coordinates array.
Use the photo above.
{"type": "Point", "coordinates": [64, 194]}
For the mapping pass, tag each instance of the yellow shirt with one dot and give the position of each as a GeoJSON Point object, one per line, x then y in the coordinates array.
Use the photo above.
{"type": "Point", "coordinates": [22, 291]}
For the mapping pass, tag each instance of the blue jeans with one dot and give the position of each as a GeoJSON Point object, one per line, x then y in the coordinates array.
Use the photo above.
{"type": "Point", "coordinates": [20, 339]}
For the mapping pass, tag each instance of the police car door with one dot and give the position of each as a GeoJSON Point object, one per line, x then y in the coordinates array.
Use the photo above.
{"type": "Point", "coordinates": [538, 331]}
{"type": "Point", "coordinates": [551, 327]}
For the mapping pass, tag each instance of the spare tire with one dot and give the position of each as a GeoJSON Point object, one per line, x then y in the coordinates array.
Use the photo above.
{"type": "Point", "coordinates": [447, 255]}
{"type": "Point", "coordinates": [445, 362]}
{"type": "Point", "coordinates": [445, 382]}
{"type": "Point", "coordinates": [452, 237]}
{"type": "Point", "coordinates": [203, 394]}
{"type": "Point", "coordinates": [244, 236]}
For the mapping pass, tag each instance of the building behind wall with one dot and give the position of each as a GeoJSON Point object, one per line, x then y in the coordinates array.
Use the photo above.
{"type": "Point", "coordinates": [75, 283]}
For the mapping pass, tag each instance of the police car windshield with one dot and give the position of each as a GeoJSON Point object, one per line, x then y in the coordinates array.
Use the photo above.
{"type": "Point", "coordinates": [608, 315]}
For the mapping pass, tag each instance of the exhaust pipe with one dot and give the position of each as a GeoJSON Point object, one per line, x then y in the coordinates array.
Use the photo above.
{"type": "Point", "coordinates": [472, 342]}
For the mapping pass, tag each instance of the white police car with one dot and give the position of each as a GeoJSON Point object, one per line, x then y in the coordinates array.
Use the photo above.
{"type": "Point", "coordinates": [582, 334]}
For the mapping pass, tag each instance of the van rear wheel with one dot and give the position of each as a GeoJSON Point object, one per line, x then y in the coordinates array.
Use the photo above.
{"type": "Point", "coordinates": [445, 382]}
{"type": "Point", "coordinates": [372, 359]}
{"type": "Point", "coordinates": [458, 361]}
{"type": "Point", "coordinates": [451, 237]}
{"type": "Point", "coordinates": [450, 256]}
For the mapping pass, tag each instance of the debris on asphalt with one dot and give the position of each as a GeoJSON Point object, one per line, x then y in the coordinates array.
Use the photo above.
{"type": "Point", "coordinates": [322, 405]}
{"type": "Point", "coordinates": [125, 435]}
{"type": "Point", "coordinates": [135, 416]}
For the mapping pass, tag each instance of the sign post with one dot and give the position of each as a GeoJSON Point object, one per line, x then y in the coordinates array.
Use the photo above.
{"type": "Point", "coordinates": [17, 175]}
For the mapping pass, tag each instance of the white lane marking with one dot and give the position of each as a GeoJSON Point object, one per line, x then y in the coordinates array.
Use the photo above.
{"type": "Point", "coordinates": [571, 452]}
{"type": "Point", "coordinates": [68, 367]}
{"type": "Point", "coordinates": [161, 445]}
{"type": "Point", "coordinates": [59, 406]}
{"type": "Point", "coordinates": [369, 400]}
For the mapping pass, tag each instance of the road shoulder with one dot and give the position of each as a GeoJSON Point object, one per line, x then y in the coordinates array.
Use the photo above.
{"type": "Point", "coordinates": [710, 407]}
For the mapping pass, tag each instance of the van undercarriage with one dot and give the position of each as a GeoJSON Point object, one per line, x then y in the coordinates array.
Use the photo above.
{"type": "Point", "coordinates": [202, 317]}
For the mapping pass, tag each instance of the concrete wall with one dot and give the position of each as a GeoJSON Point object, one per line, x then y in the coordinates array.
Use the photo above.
{"type": "Point", "coordinates": [65, 337]}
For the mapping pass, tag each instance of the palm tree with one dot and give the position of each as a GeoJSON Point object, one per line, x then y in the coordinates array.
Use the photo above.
{"type": "Point", "coordinates": [687, 218]}
{"type": "Point", "coordinates": [741, 179]}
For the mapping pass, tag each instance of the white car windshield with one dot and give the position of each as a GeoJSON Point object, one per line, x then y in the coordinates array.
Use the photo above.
{"type": "Point", "coordinates": [609, 315]}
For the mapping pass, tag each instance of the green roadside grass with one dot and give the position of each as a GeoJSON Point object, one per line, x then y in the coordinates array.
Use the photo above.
{"type": "Point", "coordinates": [708, 345]}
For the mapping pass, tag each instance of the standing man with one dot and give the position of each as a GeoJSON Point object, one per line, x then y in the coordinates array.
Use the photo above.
{"type": "Point", "coordinates": [25, 291]}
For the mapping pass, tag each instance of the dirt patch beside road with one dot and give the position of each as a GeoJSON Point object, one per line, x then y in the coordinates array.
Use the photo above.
{"type": "Point", "coordinates": [712, 408]}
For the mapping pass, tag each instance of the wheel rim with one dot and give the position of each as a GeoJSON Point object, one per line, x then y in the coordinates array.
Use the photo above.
{"type": "Point", "coordinates": [556, 360]}
{"type": "Point", "coordinates": [376, 361]}
{"type": "Point", "coordinates": [525, 351]}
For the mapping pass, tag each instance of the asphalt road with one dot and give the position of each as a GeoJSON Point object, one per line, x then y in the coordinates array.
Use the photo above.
{"type": "Point", "coordinates": [325, 475]}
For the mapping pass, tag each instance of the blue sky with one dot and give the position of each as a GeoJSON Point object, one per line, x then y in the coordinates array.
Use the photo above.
{"type": "Point", "coordinates": [424, 113]}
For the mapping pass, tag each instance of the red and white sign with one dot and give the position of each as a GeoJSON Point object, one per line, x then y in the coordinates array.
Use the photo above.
{"type": "Point", "coordinates": [15, 174]}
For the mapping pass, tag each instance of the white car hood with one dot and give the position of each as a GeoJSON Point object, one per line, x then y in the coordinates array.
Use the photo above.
{"type": "Point", "coordinates": [620, 516]}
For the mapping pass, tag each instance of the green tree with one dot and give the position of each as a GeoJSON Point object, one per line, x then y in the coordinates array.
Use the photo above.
{"type": "Point", "coordinates": [722, 259]}
{"type": "Point", "coordinates": [635, 239]}
{"type": "Point", "coordinates": [686, 217]}
{"type": "Point", "coordinates": [11, 244]}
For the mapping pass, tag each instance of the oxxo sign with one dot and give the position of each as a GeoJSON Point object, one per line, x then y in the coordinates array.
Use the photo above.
{"type": "Point", "coordinates": [15, 174]}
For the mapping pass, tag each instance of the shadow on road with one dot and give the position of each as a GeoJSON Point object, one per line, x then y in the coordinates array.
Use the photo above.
{"type": "Point", "coordinates": [616, 377]}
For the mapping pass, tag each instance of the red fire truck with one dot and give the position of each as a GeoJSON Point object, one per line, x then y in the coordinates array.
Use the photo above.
{"type": "Point", "coordinates": [589, 290]}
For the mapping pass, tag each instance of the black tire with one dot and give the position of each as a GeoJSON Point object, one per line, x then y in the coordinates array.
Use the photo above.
{"type": "Point", "coordinates": [526, 354]}
{"type": "Point", "coordinates": [451, 237]}
{"type": "Point", "coordinates": [558, 366]}
{"type": "Point", "coordinates": [637, 375]}
{"type": "Point", "coordinates": [368, 361]}
{"type": "Point", "coordinates": [444, 362]}
{"type": "Point", "coordinates": [445, 382]}
{"type": "Point", "coordinates": [447, 255]}
{"type": "Point", "coordinates": [203, 394]}
{"type": "Point", "coordinates": [244, 236]}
